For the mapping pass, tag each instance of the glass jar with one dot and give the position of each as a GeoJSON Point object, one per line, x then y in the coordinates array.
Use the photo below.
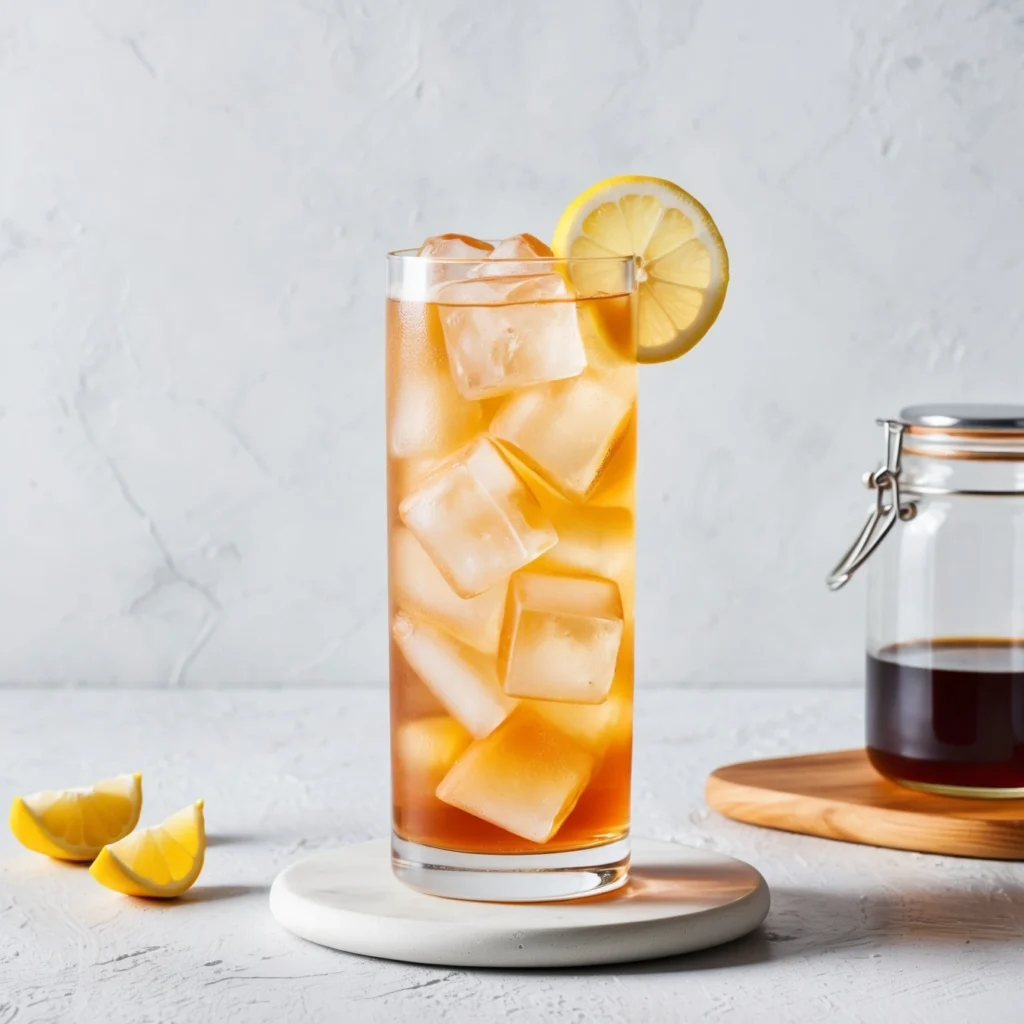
{"type": "Point", "coordinates": [945, 638]}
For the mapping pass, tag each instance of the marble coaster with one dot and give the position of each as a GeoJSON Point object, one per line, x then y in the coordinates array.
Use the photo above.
{"type": "Point", "coordinates": [677, 900]}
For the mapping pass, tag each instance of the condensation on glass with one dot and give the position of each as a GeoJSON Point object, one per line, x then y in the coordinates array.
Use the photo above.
{"type": "Point", "coordinates": [944, 544]}
{"type": "Point", "coordinates": [511, 407]}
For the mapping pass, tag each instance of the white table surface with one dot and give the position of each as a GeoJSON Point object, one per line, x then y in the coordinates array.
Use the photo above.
{"type": "Point", "coordinates": [854, 933]}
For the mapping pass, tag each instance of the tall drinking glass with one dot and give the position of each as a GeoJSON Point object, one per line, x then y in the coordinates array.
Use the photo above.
{"type": "Point", "coordinates": [511, 397]}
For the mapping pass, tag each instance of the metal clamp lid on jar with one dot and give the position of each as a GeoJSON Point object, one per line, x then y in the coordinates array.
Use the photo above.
{"type": "Point", "coordinates": [943, 431]}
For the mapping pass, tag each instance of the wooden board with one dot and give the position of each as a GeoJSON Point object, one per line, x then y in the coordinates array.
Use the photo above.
{"type": "Point", "coordinates": [840, 796]}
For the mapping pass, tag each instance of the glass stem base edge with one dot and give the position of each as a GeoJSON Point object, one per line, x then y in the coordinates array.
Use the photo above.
{"type": "Point", "coordinates": [511, 878]}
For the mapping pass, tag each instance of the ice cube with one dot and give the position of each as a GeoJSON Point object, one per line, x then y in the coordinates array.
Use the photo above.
{"type": "Point", "coordinates": [479, 291]}
{"type": "Point", "coordinates": [525, 777]}
{"type": "Point", "coordinates": [505, 333]}
{"type": "Point", "coordinates": [567, 431]}
{"type": "Point", "coordinates": [426, 414]}
{"type": "Point", "coordinates": [420, 587]}
{"type": "Point", "coordinates": [449, 257]}
{"type": "Point", "coordinates": [477, 520]}
{"type": "Point", "coordinates": [592, 726]}
{"type": "Point", "coordinates": [520, 247]}
{"type": "Point", "coordinates": [560, 637]}
{"type": "Point", "coordinates": [544, 288]}
{"type": "Point", "coordinates": [462, 679]}
{"type": "Point", "coordinates": [527, 248]}
{"type": "Point", "coordinates": [501, 290]}
{"type": "Point", "coordinates": [455, 247]}
{"type": "Point", "coordinates": [426, 748]}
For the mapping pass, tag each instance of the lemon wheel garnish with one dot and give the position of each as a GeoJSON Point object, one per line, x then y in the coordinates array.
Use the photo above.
{"type": "Point", "coordinates": [164, 860]}
{"type": "Point", "coordinates": [75, 824]}
{"type": "Point", "coordinates": [682, 265]}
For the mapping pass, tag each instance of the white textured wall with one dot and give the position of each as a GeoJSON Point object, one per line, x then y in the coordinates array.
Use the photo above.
{"type": "Point", "coordinates": [195, 196]}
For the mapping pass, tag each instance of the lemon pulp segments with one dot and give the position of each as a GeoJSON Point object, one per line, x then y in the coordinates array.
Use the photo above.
{"type": "Point", "coordinates": [682, 265]}
{"type": "Point", "coordinates": [163, 860]}
{"type": "Point", "coordinates": [75, 824]}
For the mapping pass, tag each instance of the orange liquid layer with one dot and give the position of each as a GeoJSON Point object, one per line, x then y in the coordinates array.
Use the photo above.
{"type": "Point", "coordinates": [601, 812]}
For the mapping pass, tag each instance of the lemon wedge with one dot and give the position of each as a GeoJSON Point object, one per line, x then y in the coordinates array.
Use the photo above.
{"type": "Point", "coordinates": [682, 265]}
{"type": "Point", "coordinates": [75, 824]}
{"type": "Point", "coordinates": [161, 861]}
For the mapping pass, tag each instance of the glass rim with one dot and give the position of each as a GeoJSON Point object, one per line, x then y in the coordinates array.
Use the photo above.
{"type": "Point", "coordinates": [410, 255]}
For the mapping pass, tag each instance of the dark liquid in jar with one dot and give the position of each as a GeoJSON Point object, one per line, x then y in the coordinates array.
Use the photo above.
{"type": "Point", "coordinates": [948, 712]}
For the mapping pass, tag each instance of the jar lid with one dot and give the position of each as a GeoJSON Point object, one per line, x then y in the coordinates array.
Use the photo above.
{"type": "Point", "coordinates": [974, 416]}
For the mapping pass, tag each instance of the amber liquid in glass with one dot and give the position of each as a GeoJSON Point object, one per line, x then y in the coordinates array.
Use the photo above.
{"type": "Point", "coordinates": [948, 712]}
{"type": "Point", "coordinates": [545, 752]}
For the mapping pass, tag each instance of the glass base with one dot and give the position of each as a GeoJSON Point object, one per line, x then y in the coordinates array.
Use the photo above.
{"type": "Point", "coordinates": [973, 792]}
{"type": "Point", "coordinates": [511, 877]}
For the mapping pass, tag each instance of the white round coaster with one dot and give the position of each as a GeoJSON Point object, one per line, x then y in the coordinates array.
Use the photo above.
{"type": "Point", "coordinates": [677, 900]}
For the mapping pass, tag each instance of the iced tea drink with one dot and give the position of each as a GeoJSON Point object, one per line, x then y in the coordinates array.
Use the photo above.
{"type": "Point", "coordinates": [511, 404]}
